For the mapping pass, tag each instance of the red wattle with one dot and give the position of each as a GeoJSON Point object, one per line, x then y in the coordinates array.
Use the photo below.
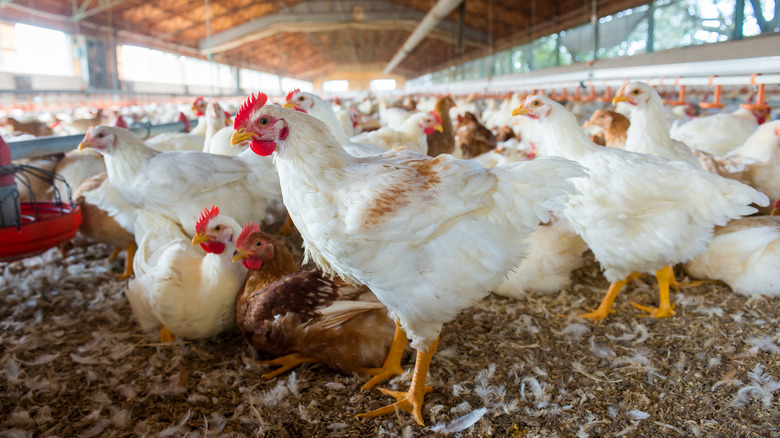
{"type": "Point", "coordinates": [252, 263]}
{"type": "Point", "coordinates": [213, 247]}
{"type": "Point", "coordinates": [263, 148]}
{"type": "Point", "coordinates": [429, 131]}
{"type": "Point", "coordinates": [297, 108]}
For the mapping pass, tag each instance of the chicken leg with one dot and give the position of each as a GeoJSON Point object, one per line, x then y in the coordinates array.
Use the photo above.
{"type": "Point", "coordinates": [605, 308]}
{"type": "Point", "coordinates": [114, 254]}
{"type": "Point", "coordinates": [166, 337]}
{"type": "Point", "coordinates": [128, 262]}
{"type": "Point", "coordinates": [665, 308]}
{"type": "Point", "coordinates": [286, 363]}
{"type": "Point", "coordinates": [287, 226]}
{"type": "Point", "coordinates": [411, 401]}
{"type": "Point", "coordinates": [392, 365]}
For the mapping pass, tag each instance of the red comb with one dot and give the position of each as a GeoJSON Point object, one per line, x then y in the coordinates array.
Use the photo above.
{"type": "Point", "coordinates": [250, 104]}
{"type": "Point", "coordinates": [205, 218]}
{"type": "Point", "coordinates": [777, 204]}
{"type": "Point", "coordinates": [198, 99]}
{"type": "Point", "coordinates": [248, 230]}
{"type": "Point", "coordinates": [291, 93]}
{"type": "Point", "coordinates": [438, 118]}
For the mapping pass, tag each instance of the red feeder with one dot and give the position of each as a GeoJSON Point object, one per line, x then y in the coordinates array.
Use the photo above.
{"type": "Point", "coordinates": [44, 225]}
{"type": "Point", "coordinates": [30, 228]}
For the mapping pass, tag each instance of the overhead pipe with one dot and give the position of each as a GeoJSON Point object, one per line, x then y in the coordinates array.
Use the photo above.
{"type": "Point", "coordinates": [440, 10]}
{"type": "Point", "coordinates": [55, 144]}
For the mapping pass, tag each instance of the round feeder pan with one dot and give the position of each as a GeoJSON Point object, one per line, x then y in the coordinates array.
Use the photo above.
{"type": "Point", "coordinates": [56, 224]}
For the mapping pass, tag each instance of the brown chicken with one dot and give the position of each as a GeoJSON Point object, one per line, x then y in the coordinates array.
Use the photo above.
{"type": "Point", "coordinates": [99, 226]}
{"type": "Point", "coordinates": [306, 316]}
{"type": "Point", "coordinates": [472, 138]}
{"type": "Point", "coordinates": [504, 133]}
{"type": "Point", "coordinates": [614, 124]}
{"type": "Point", "coordinates": [33, 127]}
{"type": "Point", "coordinates": [443, 142]}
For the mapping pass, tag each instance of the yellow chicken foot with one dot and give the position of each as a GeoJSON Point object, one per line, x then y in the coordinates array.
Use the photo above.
{"type": "Point", "coordinates": [114, 254]}
{"type": "Point", "coordinates": [287, 226]}
{"type": "Point", "coordinates": [166, 337]}
{"type": "Point", "coordinates": [128, 263]}
{"type": "Point", "coordinates": [392, 365]}
{"type": "Point", "coordinates": [665, 308]}
{"type": "Point", "coordinates": [285, 363]}
{"type": "Point", "coordinates": [605, 308]}
{"type": "Point", "coordinates": [677, 285]}
{"type": "Point", "coordinates": [411, 401]}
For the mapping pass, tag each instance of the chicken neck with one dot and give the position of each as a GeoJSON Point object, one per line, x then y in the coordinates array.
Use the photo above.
{"type": "Point", "coordinates": [647, 123]}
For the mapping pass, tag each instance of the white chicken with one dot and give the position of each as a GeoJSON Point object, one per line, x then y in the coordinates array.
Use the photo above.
{"type": "Point", "coordinates": [217, 140]}
{"type": "Point", "coordinates": [179, 288]}
{"type": "Point", "coordinates": [75, 167]}
{"type": "Point", "coordinates": [717, 134]}
{"type": "Point", "coordinates": [178, 184]}
{"type": "Point", "coordinates": [760, 155]}
{"type": "Point", "coordinates": [412, 135]}
{"type": "Point", "coordinates": [638, 213]}
{"type": "Point", "coordinates": [555, 251]}
{"type": "Point", "coordinates": [745, 254]}
{"type": "Point", "coordinates": [429, 236]}
{"type": "Point", "coordinates": [313, 105]}
{"type": "Point", "coordinates": [647, 133]}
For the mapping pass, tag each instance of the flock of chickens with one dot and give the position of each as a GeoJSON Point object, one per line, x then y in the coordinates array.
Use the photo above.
{"type": "Point", "coordinates": [412, 213]}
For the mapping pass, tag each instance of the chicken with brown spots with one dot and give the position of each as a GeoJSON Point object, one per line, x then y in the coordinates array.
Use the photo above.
{"type": "Point", "coordinates": [614, 127]}
{"type": "Point", "coordinates": [306, 316]}
{"type": "Point", "coordinates": [443, 142]}
{"type": "Point", "coordinates": [472, 138]}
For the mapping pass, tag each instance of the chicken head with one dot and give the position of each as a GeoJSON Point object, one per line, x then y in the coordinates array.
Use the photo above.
{"type": "Point", "coordinates": [213, 231]}
{"type": "Point", "coordinates": [100, 139]}
{"type": "Point", "coordinates": [534, 107]}
{"type": "Point", "coordinates": [253, 247]}
{"type": "Point", "coordinates": [298, 100]}
{"type": "Point", "coordinates": [262, 130]}
{"type": "Point", "coordinates": [199, 106]}
{"type": "Point", "coordinates": [635, 93]}
{"type": "Point", "coordinates": [431, 123]}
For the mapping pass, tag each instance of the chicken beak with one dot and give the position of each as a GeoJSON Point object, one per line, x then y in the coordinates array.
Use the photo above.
{"type": "Point", "coordinates": [240, 254]}
{"type": "Point", "coordinates": [240, 136]}
{"type": "Point", "coordinates": [519, 111]}
{"type": "Point", "coordinates": [200, 238]}
{"type": "Point", "coordinates": [85, 144]}
{"type": "Point", "coordinates": [438, 128]}
{"type": "Point", "coordinates": [288, 105]}
{"type": "Point", "coordinates": [620, 97]}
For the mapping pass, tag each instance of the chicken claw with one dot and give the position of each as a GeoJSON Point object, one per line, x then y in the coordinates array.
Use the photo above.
{"type": "Point", "coordinates": [605, 308]}
{"type": "Point", "coordinates": [128, 263]}
{"type": "Point", "coordinates": [392, 366]}
{"type": "Point", "coordinates": [166, 337]}
{"type": "Point", "coordinates": [657, 312]}
{"type": "Point", "coordinates": [411, 401]}
{"type": "Point", "coordinates": [665, 309]}
{"type": "Point", "coordinates": [285, 364]}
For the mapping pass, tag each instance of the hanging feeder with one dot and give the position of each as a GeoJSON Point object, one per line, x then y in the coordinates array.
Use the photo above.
{"type": "Point", "coordinates": [30, 228]}
{"type": "Point", "coordinates": [715, 99]}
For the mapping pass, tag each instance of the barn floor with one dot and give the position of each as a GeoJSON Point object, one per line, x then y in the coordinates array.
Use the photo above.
{"type": "Point", "coordinates": [74, 363]}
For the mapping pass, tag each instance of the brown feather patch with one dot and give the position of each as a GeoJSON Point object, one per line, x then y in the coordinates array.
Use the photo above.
{"type": "Point", "coordinates": [418, 175]}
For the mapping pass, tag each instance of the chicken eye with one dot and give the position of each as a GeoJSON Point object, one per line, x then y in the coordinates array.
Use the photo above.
{"type": "Point", "coordinates": [635, 92]}
{"type": "Point", "coordinates": [301, 98]}
{"type": "Point", "coordinates": [264, 121]}
{"type": "Point", "coordinates": [218, 227]}
{"type": "Point", "coordinates": [259, 244]}
{"type": "Point", "coordinates": [100, 135]}
{"type": "Point", "coordinates": [536, 103]}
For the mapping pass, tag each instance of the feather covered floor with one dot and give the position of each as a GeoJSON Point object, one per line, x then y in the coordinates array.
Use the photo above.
{"type": "Point", "coordinates": [73, 363]}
